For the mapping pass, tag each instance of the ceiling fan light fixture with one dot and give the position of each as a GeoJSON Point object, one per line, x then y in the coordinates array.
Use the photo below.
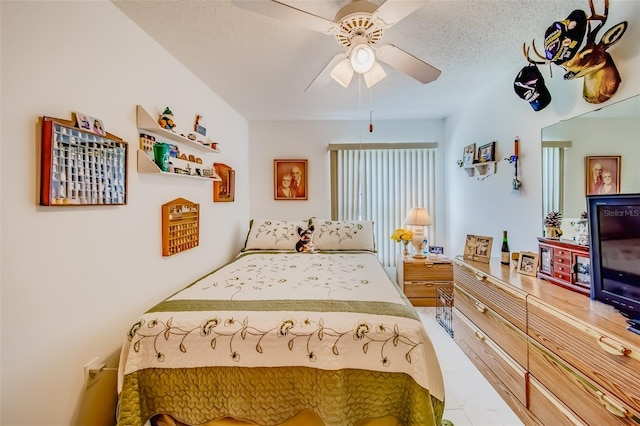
{"type": "Point", "coordinates": [374, 76]}
{"type": "Point", "coordinates": [342, 73]}
{"type": "Point", "coordinates": [362, 58]}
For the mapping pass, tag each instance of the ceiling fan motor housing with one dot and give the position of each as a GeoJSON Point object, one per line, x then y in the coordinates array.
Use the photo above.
{"type": "Point", "coordinates": [355, 20]}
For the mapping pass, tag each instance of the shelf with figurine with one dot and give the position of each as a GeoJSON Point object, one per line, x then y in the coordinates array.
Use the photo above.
{"type": "Point", "coordinates": [481, 169]}
{"type": "Point", "coordinates": [177, 167]}
{"type": "Point", "coordinates": [480, 163]}
{"type": "Point", "coordinates": [195, 140]}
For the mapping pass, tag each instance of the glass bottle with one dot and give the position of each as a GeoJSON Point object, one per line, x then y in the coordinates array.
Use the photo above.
{"type": "Point", "coordinates": [505, 255]}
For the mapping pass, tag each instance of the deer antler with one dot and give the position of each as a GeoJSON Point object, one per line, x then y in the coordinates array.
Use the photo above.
{"type": "Point", "coordinates": [525, 52]}
{"type": "Point", "coordinates": [591, 34]}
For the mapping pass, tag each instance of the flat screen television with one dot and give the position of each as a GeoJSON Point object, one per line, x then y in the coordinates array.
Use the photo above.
{"type": "Point", "coordinates": [614, 233]}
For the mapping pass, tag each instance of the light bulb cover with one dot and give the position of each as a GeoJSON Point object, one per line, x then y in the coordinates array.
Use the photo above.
{"type": "Point", "coordinates": [362, 58]}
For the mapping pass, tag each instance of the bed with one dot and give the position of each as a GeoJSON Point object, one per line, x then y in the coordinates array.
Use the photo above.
{"type": "Point", "coordinates": [279, 336]}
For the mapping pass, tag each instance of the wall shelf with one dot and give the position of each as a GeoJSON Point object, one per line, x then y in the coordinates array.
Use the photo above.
{"type": "Point", "coordinates": [147, 165]}
{"type": "Point", "coordinates": [480, 170]}
{"type": "Point", "coordinates": [149, 124]}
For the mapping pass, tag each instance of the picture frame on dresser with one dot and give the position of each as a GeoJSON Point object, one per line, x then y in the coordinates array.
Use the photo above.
{"type": "Point", "coordinates": [478, 248]}
{"type": "Point", "coordinates": [527, 263]}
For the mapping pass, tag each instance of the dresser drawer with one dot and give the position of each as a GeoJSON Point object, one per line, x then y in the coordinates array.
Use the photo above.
{"type": "Point", "coordinates": [428, 271]}
{"type": "Point", "coordinates": [611, 364]}
{"type": "Point", "coordinates": [595, 404]}
{"type": "Point", "coordinates": [548, 408]}
{"type": "Point", "coordinates": [507, 301]}
{"type": "Point", "coordinates": [561, 255]}
{"type": "Point", "coordinates": [486, 354]}
{"type": "Point", "coordinates": [424, 288]}
{"type": "Point", "coordinates": [512, 339]}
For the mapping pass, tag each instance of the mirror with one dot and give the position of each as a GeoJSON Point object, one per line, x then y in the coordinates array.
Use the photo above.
{"type": "Point", "coordinates": [613, 130]}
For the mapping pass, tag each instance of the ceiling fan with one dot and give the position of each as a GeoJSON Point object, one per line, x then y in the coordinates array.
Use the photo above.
{"type": "Point", "coordinates": [358, 27]}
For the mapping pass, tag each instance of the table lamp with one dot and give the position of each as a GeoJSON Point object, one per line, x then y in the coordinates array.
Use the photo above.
{"type": "Point", "coordinates": [418, 217]}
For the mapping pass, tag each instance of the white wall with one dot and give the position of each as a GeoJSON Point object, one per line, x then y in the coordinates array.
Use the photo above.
{"type": "Point", "coordinates": [495, 113]}
{"type": "Point", "coordinates": [309, 140]}
{"type": "Point", "coordinates": [75, 278]}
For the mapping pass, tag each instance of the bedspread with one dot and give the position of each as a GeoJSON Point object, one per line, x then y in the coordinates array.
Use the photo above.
{"type": "Point", "coordinates": [273, 333]}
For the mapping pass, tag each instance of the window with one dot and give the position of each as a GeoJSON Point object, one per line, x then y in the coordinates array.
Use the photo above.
{"type": "Point", "coordinates": [381, 182]}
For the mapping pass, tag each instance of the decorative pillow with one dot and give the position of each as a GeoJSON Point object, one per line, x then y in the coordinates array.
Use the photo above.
{"type": "Point", "coordinates": [343, 235]}
{"type": "Point", "coordinates": [305, 243]}
{"type": "Point", "coordinates": [267, 234]}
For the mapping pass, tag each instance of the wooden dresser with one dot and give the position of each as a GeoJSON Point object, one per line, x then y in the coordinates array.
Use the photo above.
{"type": "Point", "coordinates": [555, 356]}
{"type": "Point", "coordinates": [421, 278]}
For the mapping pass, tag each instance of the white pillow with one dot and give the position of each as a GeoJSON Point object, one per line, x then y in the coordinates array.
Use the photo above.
{"type": "Point", "coordinates": [265, 234]}
{"type": "Point", "coordinates": [343, 235]}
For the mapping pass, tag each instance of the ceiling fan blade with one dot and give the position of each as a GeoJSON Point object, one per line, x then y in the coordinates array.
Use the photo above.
{"type": "Point", "coordinates": [393, 11]}
{"type": "Point", "coordinates": [324, 76]}
{"type": "Point", "coordinates": [407, 63]}
{"type": "Point", "coordinates": [284, 12]}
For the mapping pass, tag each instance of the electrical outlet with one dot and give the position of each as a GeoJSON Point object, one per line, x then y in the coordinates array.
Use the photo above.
{"type": "Point", "coordinates": [92, 371]}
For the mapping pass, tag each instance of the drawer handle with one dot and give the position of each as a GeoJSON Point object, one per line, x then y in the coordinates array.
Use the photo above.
{"type": "Point", "coordinates": [480, 277]}
{"type": "Point", "coordinates": [479, 336]}
{"type": "Point", "coordinates": [480, 307]}
{"type": "Point", "coordinates": [612, 406]}
{"type": "Point", "coordinates": [560, 260]}
{"type": "Point", "coordinates": [428, 264]}
{"type": "Point", "coordinates": [614, 349]}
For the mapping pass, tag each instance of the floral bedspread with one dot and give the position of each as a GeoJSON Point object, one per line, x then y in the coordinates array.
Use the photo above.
{"type": "Point", "coordinates": [328, 311]}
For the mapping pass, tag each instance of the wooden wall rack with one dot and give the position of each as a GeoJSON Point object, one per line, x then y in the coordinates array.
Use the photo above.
{"type": "Point", "coordinates": [79, 167]}
{"type": "Point", "coordinates": [180, 226]}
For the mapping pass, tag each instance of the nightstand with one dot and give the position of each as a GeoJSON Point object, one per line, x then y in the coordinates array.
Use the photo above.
{"type": "Point", "coordinates": [421, 278]}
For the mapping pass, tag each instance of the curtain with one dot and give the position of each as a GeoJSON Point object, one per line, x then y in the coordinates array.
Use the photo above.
{"type": "Point", "coordinates": [381, 185]}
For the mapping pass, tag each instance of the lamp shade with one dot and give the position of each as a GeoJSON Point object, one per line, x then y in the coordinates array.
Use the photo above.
{"type": "Point", "coordinates": [418, 216]}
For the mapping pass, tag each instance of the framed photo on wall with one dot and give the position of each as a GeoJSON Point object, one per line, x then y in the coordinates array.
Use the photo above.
{"type": "Point", "coordinates": [290, 179]}
{"type": "Point", "coordinates": [487, 152]}
{"type": "Point", "coordinates": [602, 174]}
{"type": "Point", "coordinates": [478, 247]}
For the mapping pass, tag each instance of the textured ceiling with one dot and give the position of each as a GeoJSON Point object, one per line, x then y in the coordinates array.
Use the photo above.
{"type": "Point", "coordinates": [261, 66]}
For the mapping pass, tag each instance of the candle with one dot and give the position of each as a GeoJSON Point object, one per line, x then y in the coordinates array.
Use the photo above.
{"type": "Point", "coordinates": [515, 147]}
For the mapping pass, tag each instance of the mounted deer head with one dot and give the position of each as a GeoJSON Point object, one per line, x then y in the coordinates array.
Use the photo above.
{"type": "Point", "coordinates": [593, 62]}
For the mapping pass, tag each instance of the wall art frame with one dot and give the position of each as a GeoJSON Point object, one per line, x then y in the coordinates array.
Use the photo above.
{"type": "Point", "coordinates": [290, 179]}
{"type": "Point", "coordinates": [225, 189]}
{"type": "Point", "coordinates": [478, 248]}
{"type": "Point", "coordinates": [607, 169]}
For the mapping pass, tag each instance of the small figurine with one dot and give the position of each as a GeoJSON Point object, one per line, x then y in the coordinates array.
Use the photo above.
{"type": "Point", "coordinates": [166, 120]}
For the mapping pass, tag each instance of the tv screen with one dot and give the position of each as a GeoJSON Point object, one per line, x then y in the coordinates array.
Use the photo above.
{"type": "Point", "coordinates": [614, 226]}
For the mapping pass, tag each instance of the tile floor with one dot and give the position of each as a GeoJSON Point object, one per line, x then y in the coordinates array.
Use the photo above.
{"type": "Point", "coordinates": [469, 398]}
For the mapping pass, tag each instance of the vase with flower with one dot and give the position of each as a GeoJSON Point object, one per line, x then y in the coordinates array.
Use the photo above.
{"type": "Point", "coordinates": [403, 236]}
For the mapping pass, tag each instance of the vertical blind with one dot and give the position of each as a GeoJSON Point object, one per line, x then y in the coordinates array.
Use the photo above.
{"type": "Point", "coordinates": [552, 177]}
{"type": "Point", "coordinates": [381, 185]}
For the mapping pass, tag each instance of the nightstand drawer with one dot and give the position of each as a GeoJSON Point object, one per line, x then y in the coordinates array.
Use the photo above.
{"type": "Point", "coordinates": [428, 271]}
{"type": "Point", "coordinates": [424, 288]}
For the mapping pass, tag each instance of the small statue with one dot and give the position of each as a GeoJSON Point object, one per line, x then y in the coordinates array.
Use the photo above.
{"type": "Point", "coordinates": [166, 120]}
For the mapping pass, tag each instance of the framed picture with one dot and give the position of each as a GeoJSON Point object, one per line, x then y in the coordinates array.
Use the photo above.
{"type": "Point", "coordinates": [290, 179]}
{"type": "Point", "coordinates": [436, 249]}
{"type": "Point", "coordinates": [487, 152]}
{"type": "Point", "coordinates": [224, 190]}
{"type": "Point", "coordinates": [527, 263]}
{"type": "Point", "coordinates": [602, 174]}
{"type": "Point", "coordinates": [90, 124]}
{"type": "Point", "coordinates": [478, 248]}
{"type": "Point", "coordinates": [469, 154]}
